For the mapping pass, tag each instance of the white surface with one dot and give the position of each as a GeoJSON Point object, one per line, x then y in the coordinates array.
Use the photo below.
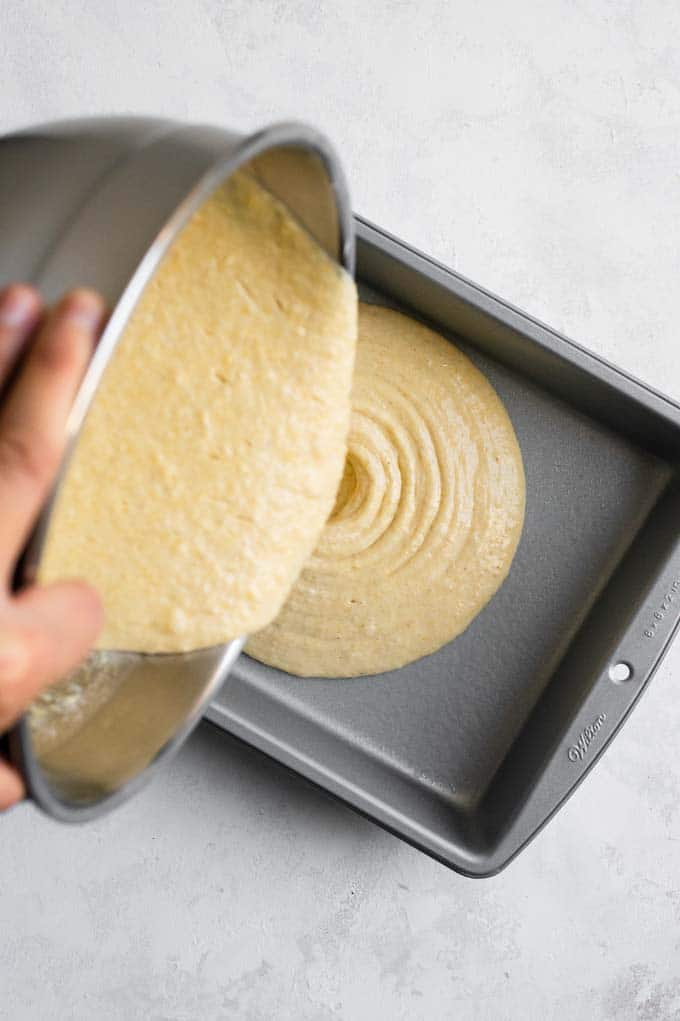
{"type": "Point", "coordinates": [535, 147]}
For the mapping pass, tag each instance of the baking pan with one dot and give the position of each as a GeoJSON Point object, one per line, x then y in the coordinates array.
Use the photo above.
{"type": "Point", "coordinates": [468, 752]}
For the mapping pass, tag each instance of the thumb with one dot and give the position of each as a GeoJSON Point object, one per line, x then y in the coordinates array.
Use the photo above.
{"type": "Point", "coordinates": [46, 632]}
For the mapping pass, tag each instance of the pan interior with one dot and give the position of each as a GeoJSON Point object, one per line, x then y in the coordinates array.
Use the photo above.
{"type": "Point", "coordinates": [446, 722]}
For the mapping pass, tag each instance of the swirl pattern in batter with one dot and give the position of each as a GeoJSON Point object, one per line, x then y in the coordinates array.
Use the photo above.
{"type": "Point", "coordinates": [427, 518]}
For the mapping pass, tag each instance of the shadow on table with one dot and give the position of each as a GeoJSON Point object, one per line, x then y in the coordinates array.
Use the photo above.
{"type": "Point", "coordinates": [216, 758]}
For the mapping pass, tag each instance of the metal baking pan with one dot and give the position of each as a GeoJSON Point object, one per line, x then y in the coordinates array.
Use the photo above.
{"type": "Point", "coordinates": [468, 752]}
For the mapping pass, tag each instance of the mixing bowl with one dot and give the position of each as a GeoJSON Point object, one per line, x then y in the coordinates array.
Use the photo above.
{"type": "Point", "coordinates": [96, 203]}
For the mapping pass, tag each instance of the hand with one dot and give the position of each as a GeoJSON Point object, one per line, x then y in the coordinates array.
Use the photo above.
{"type": "Point", "coordinates": [44, 631]}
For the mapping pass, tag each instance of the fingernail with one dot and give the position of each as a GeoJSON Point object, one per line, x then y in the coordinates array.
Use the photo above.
{"type": "Point", "coordinates": [17, 307]}
{"type": "Point", "coordinates": [84, 310]}
{"type": "Point", "coordinates": [13, 657]}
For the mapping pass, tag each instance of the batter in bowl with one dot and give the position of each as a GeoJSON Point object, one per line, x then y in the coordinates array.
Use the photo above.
{"type": "Point", "coordinates": [427, 517]}
{"type": "Point", "coordinates": [211, 456]}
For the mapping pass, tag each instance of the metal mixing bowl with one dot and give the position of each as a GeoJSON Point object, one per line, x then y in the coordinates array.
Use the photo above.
{"type": "Point", "coordinates": [96, 203]}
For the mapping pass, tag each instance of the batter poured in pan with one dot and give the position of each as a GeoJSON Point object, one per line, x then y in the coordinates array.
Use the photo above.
{"type": "Point", "coordinates": [427, 518]}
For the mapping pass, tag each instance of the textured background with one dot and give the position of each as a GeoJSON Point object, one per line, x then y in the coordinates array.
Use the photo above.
{"type": "Point", "coordinates": [535, 146]}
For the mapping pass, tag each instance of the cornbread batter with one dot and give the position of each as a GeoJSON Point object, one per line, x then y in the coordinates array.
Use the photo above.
{"type": "Point", "coordinates": [211, 456]}
{"type": "Point", "coordinates": [427, 517]}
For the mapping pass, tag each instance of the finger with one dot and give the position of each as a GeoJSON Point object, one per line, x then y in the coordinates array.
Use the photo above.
{"type": "Point", "coordinates": [33, 419]}
{"type": "Point", "coordinates": [11, 786]}
{"type": "Point", "coordinates": [20, 311]}
{"type": "Point", "coordinates": [49, 632]}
